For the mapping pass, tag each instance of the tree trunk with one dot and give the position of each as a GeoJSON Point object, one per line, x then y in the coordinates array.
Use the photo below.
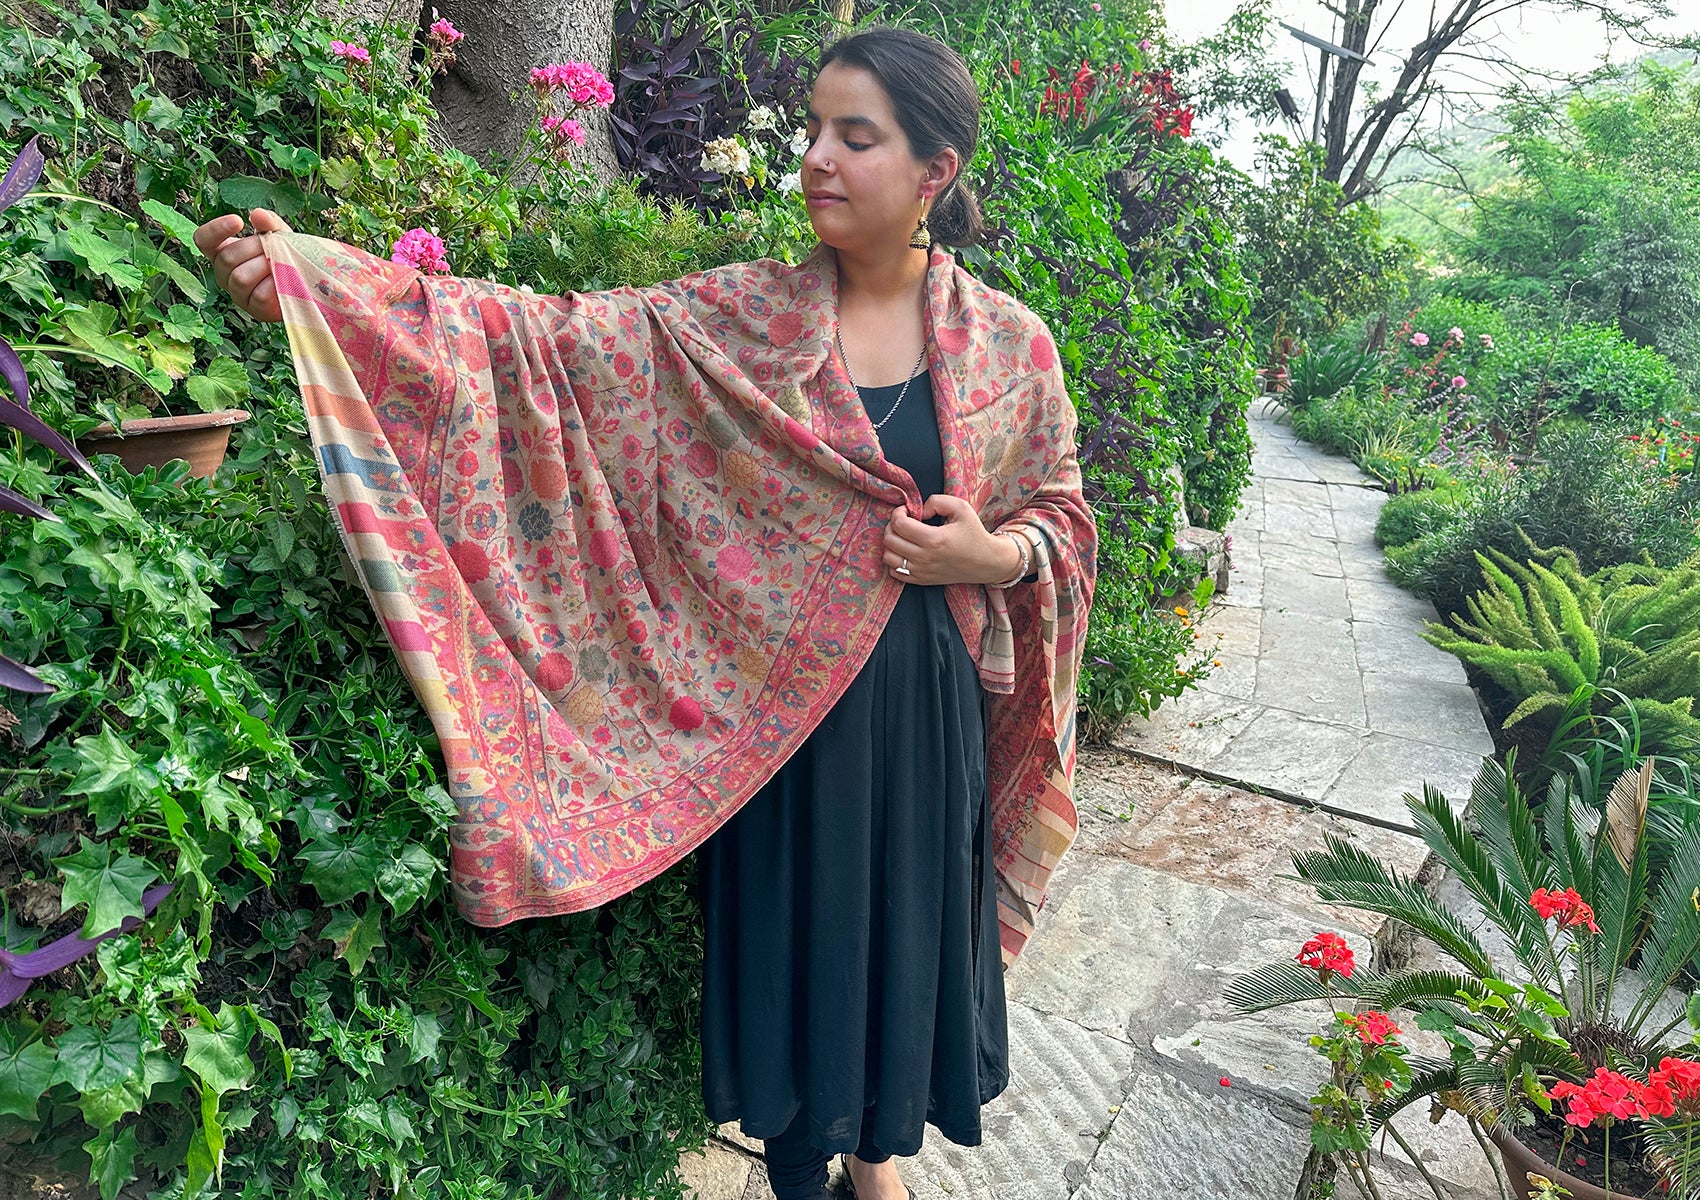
{"type": "Point", "coordinates": [485, 99]}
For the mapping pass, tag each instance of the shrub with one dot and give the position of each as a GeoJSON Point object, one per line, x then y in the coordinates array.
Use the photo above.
{"type": "Point", "coordinates": [1590, 369]}
{"type": "Point", "coordinates": [1588, 496]}
{"type": "Point", "coordinates": [1412, 515]}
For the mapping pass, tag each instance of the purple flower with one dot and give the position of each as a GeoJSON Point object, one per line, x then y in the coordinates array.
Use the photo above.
{"type": "Point", "coordinates": [18, 971]}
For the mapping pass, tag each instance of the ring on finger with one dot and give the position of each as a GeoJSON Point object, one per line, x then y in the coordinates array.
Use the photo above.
{"type": "Point", "coordinates": [904, 569]}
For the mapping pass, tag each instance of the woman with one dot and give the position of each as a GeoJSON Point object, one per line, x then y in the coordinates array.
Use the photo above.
{"type": "Point", "coordinates": [854, 942]}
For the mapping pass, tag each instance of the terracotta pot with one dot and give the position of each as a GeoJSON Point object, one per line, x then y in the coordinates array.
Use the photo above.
{"type": "Point", "coordinates": [200, 439]}
{"type": "Point", "coordinates": [1519, 1160]}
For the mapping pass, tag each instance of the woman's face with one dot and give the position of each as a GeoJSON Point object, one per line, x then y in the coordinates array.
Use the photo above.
{"type": "Point", "coordinates": [863, 187]}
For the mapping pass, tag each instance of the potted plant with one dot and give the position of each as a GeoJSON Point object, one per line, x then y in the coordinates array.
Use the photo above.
{"type": "Point", "coordinates": [199, 438]}
{"type": "Point", "coordinates": [1595, 920]}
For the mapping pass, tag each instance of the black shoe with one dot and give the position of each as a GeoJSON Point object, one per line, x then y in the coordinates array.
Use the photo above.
{"type": "Point", "coordinates": [850, 1184]}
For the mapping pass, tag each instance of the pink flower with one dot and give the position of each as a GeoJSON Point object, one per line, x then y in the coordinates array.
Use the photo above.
{"type": "Point", "coordinates": [1458, 381]}
{"type": "Point", "coordinates": [583, 83]}
{"type": "Point", "coordinates": [1097, 8]}
{"type": "Point", "coordinates": [564, 130]}
{"type": "Point", "coordinates": [1487, 341]}
{"type": "Point", "coordinates": [1419, 339]}
{"type": "Point", "coordinates": [1145, 43]}
{"type": "Point", "coordinates": [421, 249]}
{"type": "Point", "coordinates": [1455, 334]}
{"type": "Point", "coordinates": [349, 52]}
{"type": "Point", "coordinates": [444, 33]}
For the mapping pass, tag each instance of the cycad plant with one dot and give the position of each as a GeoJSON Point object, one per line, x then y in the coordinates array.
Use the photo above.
{"type": "Point", "coordinates": [1542, 629]}
{"type": "Point", "coordinates": [1580, 975]}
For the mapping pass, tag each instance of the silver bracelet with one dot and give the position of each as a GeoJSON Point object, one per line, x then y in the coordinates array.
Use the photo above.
{"type": "Point", "coordinates": [1026, 548]}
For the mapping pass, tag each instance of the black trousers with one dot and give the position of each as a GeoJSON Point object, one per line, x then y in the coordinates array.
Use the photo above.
{"type": "Point", "coordinates": [796, 1170]}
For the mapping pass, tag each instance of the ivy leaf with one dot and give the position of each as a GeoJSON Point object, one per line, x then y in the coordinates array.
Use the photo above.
{"type": "Point", "coordinates": [26, 1072]}
{"type": "Point", "coordinates": [225, 385]}
{"type": "Point", "coordinates": [113, 1154]}
{"type": "Point", "coordinates": [91, 1058]}
{"type": "Point", "coordinates": [112, 887]}
{"type": "Point", "coordinates": [106, 773]}
{"type": "Point", "coordinates": [405, 879]}
{"type": "Point", "coordinates": [355, 936]}
{"type": "Point", "coordinates": [341, 870]}
{"type": "Point", "coordinates": [218, 1050]}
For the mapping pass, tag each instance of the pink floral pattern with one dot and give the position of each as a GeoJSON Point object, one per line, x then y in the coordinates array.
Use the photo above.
{"type": "Point", "coordinates": [627, 547]}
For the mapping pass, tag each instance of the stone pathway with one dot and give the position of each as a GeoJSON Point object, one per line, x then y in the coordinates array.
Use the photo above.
{"type": "Point", "coordinates": [1327, 692]}
{"type": "Point", "coordinates": [1131, 1076]}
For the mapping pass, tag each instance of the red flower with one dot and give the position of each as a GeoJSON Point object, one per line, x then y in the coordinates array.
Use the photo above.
{"type": "Point", "coordinates": [1609, 1095]}
{"type": "Point", "coordinates": [1015, 66]}
{"type": "Point", "coordinates": [1681, 1079]}
{"type": "Point", "coordinates": [1373, 1028]}
{"type": "Point", "coordinates": [1327, 952]}
{"type": "Point", "coordinates": [1567, 906]}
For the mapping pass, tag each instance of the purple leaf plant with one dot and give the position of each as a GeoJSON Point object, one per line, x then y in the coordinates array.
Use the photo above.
{"type": "Point", "coordinates": [15, 413]}
{"type": "Point", "coordinates": [18, 971]}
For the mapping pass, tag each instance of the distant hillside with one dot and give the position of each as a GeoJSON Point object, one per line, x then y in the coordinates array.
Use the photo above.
{"type": "Point", "coordinates": [1426, 197]}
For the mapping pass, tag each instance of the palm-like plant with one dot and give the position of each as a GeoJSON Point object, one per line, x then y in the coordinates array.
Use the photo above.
{"type": "Point", "coordinates": [15, 411]}
{"type": "Point", "coordinates": [1554, 1003]}
{"type": "Point", "coordinates": [1322, 372]}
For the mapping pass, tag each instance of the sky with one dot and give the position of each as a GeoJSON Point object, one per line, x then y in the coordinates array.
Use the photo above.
{"type": "Point", "coordinates": [1536, 34]}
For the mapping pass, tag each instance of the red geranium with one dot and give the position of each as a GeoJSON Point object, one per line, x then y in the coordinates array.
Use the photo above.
{"type": "Point", "coordinates": [1567, 906]}
{"type": "Point", "coordinates": [1327, 952]}
{"type": "Point", "coordinates": [1373, 1028]}
{"type": "Point", "coordinates": [1609, 1095]}
{"type": "Point", "coordinates": [1681, 1080]}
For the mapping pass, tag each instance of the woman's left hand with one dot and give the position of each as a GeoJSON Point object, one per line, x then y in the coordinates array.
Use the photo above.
{"type": "Point", "coordinates": [959, 551]}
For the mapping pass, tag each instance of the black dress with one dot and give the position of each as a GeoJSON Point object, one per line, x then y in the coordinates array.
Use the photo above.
{"type": "Point", "coordinates": [851, 972]}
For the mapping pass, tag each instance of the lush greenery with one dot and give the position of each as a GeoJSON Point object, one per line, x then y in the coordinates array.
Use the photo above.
{"type": "Point", "coordinates": [304, 1015]}
{"type": "Point", "coordinates": [1593, 923]}
{"type": "Point", "coordinates": [1543, 630]}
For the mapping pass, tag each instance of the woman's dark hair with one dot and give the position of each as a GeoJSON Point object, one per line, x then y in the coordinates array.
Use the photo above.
{"type": "Point", "coordinates": [937, 105]}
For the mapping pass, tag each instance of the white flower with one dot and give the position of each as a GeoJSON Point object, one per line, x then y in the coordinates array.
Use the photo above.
{"type": "Point", "coordinates": [800, 142]}
{"type": "Point", "coordinates": [763, 118]}
{"type": "Point", "coordinates": [792, 182]}
{"type": "Point", "coordinates": [726, 156]}
{"type": "Point", "coordinates": [758, 151]}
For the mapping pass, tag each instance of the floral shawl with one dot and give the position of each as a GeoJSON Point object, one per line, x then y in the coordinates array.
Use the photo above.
{"type": "Point", "coordinates": [627, 548]}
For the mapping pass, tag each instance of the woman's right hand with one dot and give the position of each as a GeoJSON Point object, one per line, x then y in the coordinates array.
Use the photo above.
{"type": "Point", "coordinates": [240, 266]}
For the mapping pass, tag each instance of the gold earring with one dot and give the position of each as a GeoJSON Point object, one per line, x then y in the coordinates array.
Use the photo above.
{"type": "Point", "coordinates": [922, 238]}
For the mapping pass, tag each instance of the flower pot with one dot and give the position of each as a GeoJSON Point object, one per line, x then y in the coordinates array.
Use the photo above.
{"type": "Point", "coordinates": [1519, 1160]}
{"type": "Point", "coordinates": [200, 439]}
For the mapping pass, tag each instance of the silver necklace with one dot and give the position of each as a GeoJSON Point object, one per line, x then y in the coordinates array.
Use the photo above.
{"type": "Point", "coordinates": [845, 359]}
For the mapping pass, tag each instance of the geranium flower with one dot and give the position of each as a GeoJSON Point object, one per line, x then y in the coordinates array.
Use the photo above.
{"type": "Point", "coordinates": [1373, 1028]}
{"type": "Point", "coordinates": [582, 83]}
{"type": "Point", "coordinates": [563, 130]}
{"type": "Point", "coordinates": [1487, 341]}
{"type": "Point", "coordinates": [1419, 339]}
{"type": "Point", "coordinates": [1680, 1079]}
{"type": "Point", "coordinates": [1327, 952]}
{"type": "Point", "coordinates": [763, 119]}
{"type": "Point", "coordinates": [351, 53]}
{"type": "Point", "coordinates": [1459, 382]}
{"type": "Point", "coordinates": [726, 156]}
{"type": "Point", "coordinates": [1570, 909]}
{"type": "Point", "coordinates": [1145, 43]}
{"type": "Point", "coordinates": [1609, 1095]}
{"type": "Point", "coordinates": [443, 31]}
{"type": "Point", "coordinates": [422, 250]}
{"type": "Point", "coordinates": [791, 182]}
{"type": "Point", "coordinates": [1455, 334]}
